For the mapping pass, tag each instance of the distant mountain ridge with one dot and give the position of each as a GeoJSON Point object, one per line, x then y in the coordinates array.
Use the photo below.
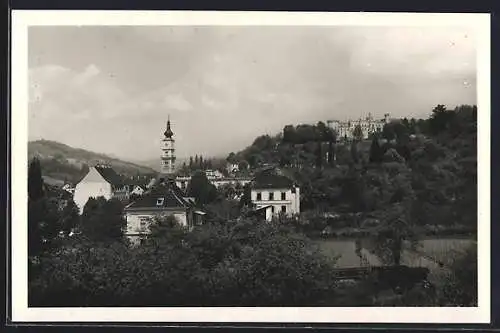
{"type": "Point", "coordinates": [62, 162]}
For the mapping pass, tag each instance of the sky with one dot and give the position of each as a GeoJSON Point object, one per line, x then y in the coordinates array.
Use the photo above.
{"type": "Point", "coordinates": [110, 89]}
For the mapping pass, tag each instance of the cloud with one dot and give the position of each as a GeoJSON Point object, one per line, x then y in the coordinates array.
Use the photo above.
{"type": "Point", "coordinates": [222, 86]}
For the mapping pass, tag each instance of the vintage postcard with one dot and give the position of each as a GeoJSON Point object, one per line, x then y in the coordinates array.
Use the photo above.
{"type": "Point", "coordinates": [250, 167]}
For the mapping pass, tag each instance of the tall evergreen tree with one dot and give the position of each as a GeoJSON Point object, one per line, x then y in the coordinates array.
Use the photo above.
{"type": "Point", "coordinates": [35, 181]}
{"type": "Point", "coordinates": [354, 152]}
{"type": "Point", "coordinates": [357, 133]}
{"type": "Point", "coordinates": [196, 161]}
{"type": "Point", "coordinates": [319, 155]}
{"type": "Point", "coordinates": [375, 151]}
{"type": "Point", "coordinates": [190, 162]}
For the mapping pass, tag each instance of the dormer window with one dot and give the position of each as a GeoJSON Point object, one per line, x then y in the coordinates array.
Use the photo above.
{"type": "Point", "coordinates": [159, 202]}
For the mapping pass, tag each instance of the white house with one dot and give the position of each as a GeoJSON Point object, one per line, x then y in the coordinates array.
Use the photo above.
{"type": "Point", "coordinates": [232, 168]}
{"type": "Point", "coordinates": [164, 199]}
{"type": "Point", "coordinates": [137, 190]}
{"type": "Point", "coordinates": [100, 181]}
{"type": "Point", "coordinates": [276, 194]}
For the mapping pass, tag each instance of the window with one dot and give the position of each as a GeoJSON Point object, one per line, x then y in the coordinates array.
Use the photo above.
{"type": "Point", "coordinates": [283, 209]}
{"type": "Point", "coordinates": [259, 196]}
{"type": "Point", "coordinates": [271, 196]}
{"type": "Point", "coordinates": [159, 201]}
{"type": "Point", "coordinates": [283, 196]}
{"type": "Point", "coordinates": [272, 209]}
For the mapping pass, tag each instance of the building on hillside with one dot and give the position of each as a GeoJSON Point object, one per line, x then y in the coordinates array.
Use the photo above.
{"type": "Point", "coordinates": [369, 125]}
{"type": "Point", "coordinates": [164, 199]}
{"type": "Point", "coordinates": [183, 181]}
{"type": "Point", "coordinates": [214, 174]}
{"type": "Point", "coordinates": [100, 181]}
{"type": "Point", "coordinates": [232, 168]}
{"type": "Point", "coordinates": [276, 194]}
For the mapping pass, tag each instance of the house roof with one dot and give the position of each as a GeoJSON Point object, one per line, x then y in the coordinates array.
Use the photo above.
{"type": "Point", "coordinates": [110, 175]}
{"type": "Point", "coordinates": [172, 197]}
{"type": "Point", "coordinates": [265, 181]}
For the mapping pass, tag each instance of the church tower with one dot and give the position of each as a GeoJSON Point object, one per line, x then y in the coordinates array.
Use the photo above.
{"type": "Point", "coordinates": [168, 152]}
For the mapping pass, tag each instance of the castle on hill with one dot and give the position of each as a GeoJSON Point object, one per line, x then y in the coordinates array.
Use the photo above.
{"type": "Point", "coordinates": [368, 125]}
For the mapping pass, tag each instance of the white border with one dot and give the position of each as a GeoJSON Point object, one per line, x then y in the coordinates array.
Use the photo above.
{"type": "Point", "coordinates": [19, 112]}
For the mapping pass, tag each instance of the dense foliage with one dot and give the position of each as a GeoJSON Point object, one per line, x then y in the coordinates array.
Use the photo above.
{"type": "Point", "coordinates": [52, 214]}
{"type": "Point", "coordinates": [433, 158]}
{"type": "Point", "coordinates": [249, 263]}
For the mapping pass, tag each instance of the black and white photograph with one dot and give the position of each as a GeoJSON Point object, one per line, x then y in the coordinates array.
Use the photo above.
{"type": "Point", "coordinates": [273, 164]}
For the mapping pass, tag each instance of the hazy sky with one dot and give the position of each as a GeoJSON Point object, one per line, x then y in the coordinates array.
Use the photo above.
{"type": "Point", "coordinates": [110, 89]}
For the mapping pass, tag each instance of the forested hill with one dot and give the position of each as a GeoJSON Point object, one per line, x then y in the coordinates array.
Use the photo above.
{"type": "Point", "coordinates": [61, 162]}
{"type": "Point", "coordinates": [428, 164]}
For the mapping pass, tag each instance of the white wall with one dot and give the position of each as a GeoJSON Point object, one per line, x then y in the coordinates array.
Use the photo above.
{"type": "Point", "coordinates": [135, 229]}
{"type": "Point", "coordinates": [93, 185]}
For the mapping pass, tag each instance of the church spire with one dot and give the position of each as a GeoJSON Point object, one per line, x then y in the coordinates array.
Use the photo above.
{"type": "Point", "coordinates": [168, 133]}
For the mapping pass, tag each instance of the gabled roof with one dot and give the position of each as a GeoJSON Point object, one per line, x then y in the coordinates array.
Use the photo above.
{"type": "Point", "coordinates": [265, 181]}
{"type": "Point", "coordinates": [110, 175]}
{"type": "Point", "coordinates": [162, 195]}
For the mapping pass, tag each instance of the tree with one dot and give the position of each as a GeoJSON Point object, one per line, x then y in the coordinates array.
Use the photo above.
{"type": "Point", "coordinates": [357, 133]}
{"type": "Point", "coordinates": [243, 165]}
{"type": "Point", "coordinates": [354, 152]}
{"type": "Point", "coordinates": [201, 189]}
{"type": "Point", "coordinates": [191, 162]}
{"type": "Point", "coordinates": [231, 158]}
{"type": "Point", "coordinates": [102, 220]}
{"type": "Point", "coordinates": [201, 164]}
{"type": "Point", "coordinates": [395, 230]}
{"type": "Point", "coordinates": [35, 180]}
{"type": "Point", "coordinates": [388, 132]}
{"type": "Point", "coordinates": [319, 155]}
{"type": "Point", "coordinates": [289, 134]}
{"type": "Point", "coordinates": [70, 217]}
{"type": "Point", "coordinates": [331, 153]}
{"type": "Point", "coordinates": [376, 152]}
{"type": "Point", "coordinates": [196, 162]}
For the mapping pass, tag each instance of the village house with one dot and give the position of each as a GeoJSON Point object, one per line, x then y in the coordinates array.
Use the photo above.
{"type": "Point", "coordinates": [164, 199]}
{"type": "Point", "coordinates": [232, 168]}
{"type": "Point", "coordinates": [100, 181]}
{"type": "Point", "coordinates": [137, 190]}
{"type": "Point", "coordinates": [274, 194]}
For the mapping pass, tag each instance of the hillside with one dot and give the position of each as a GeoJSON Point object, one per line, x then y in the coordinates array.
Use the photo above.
{"type": "Point", "coordinates": [64, 163]}
{"type": "Point", "coordinates": [430, 163]}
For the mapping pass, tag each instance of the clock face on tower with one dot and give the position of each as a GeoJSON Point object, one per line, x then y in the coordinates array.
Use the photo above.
{"type": "Point", "coordinates": [167, 144]}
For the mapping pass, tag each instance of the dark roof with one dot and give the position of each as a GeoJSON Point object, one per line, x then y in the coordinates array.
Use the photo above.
{"type": "Point", "coordinates": [272, 181]}
{"type": "Point", "coordinates": [110, 175]}
{"type": "Point", "coordinates": [172, 197]}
